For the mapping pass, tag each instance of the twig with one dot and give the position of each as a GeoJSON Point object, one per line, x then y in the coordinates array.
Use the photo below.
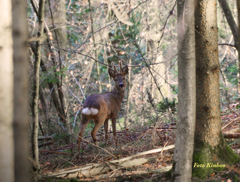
{"type": "Point", "coordinates": [137, 6]}
{"type": "Point", "coordinates": [170, 13]}
{"type": "Point", "coordinates": [72, 94]}
{"type": "Point", "coordinates": [54, 152]}
{"type": "Point", "coordinates": [230, 122]}
{"type": "Point", "coordinates": [99, 148]}
{"type": "Point", "coordinates": [227, 45]}
{"type": "Point", "coordinates": [67, 161]}
{"type": "Point", "coordinates": [75, 119]}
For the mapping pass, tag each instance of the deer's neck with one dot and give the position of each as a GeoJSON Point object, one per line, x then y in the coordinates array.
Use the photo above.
{"type": "Point", "coordinates": [119, 94]}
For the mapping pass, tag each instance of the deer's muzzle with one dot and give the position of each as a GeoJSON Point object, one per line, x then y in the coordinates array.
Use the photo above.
{"type": "Point", "coordinates": [121, 85]}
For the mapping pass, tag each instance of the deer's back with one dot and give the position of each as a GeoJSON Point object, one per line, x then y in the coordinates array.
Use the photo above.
{"type": "Point", "coordinates": [105, 103]}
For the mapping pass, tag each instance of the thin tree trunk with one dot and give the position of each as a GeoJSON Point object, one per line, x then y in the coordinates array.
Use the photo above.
{"type": "Point", "coordinates": [51, 86]}
{"type": "Point", "coordinates": [44, 110]}
{"type": "Point", "coordinates": [106, 62]}
{"type": "Point", "coordinates": [6, 94]}
{"type": "Point", "coordinates": [224, 78]}
{"type": "Point", "coordinates": [53, 91]}
{"type": "Point", "coordinates": [183, 152]}
{"type": "Point", "coordinates": [95, 50]}
{"type": "Point", "coordinates": [36, 87]}
{"type": "Point", "coordinates": [210, 145]}
{"type": "Point", "coordinates": [128, 91]}
{"type": "Point", "coordinates": [58, 20]}
{"type": "Point", "coordinates": [20, 122]}
{"type": "Point", "coordinates": [89, 75]}
{"type": "Point", "coordinates": [238, 7]}
{"type": "Point", "coordinates": [232, 24]}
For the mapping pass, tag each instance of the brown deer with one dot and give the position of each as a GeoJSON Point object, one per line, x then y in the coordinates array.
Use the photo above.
{"type": "Point", "coordinates": [102, 107]}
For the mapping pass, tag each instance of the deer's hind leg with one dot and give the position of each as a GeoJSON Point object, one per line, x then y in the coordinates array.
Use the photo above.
{"type": "Point", "coordinates": [84, 122]}
{"type": "Point", "coordinates": [98, 123]}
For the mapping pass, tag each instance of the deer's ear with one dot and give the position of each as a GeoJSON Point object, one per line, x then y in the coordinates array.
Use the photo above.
{"type": "Point", "coordinates": [125, 70]}
{"type": "Point", "coordinates": [111, 72]}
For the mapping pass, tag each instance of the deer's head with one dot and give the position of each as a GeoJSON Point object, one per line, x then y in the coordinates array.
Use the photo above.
{"type": "Point", "coordinates": [119, 77]}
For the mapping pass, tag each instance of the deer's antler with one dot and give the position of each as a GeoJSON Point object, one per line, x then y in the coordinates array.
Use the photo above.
{"type": "Point", "coordinates": [114, 67]}
{"type": "Point", "coordinates": [120, 64]}
{"type": "Point", "coordinates": [120, 67]}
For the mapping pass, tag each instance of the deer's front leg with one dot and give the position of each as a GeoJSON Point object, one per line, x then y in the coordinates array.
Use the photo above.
{"type": "Point", "coordinates": [106, 130]}
{"type": "Point", "coordinates": [114, 130]}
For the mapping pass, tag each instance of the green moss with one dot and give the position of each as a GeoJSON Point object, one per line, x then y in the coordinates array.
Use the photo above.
{"type": "Point", "coordinates": [225, 154]}
{"type": "Point", "coordinates": [207, 160]}
{"type": "Point", "coordinates": [200, 161]}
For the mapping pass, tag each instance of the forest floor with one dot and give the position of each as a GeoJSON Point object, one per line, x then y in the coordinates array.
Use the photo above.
{"type": "Point", "coordinates": [56, 159]}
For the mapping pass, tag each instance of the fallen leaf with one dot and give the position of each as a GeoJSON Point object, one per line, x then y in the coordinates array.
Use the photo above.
{"type": "Point", "coordinates": [213, 174]}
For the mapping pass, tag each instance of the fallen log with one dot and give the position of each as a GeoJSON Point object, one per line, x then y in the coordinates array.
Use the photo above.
{"type": "Point", "coordinates": [231, 135]}
{"type": "Point", "coordinates": [45, 141]}
{"type": "Point", "coordinates": [45, 144]}
{"type": "Point", "coordinates": [126, 173]}
{"type": "Point", "coordinates": [147, 152]}
{"type": "Point", "coordinates": [105, 167]}
{"type": "Point", "coordinates": [45, 138]}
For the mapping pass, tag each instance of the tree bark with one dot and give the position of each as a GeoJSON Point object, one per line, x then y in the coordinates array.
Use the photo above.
{"type": "Point", "coordinates": [210, 146]}
{"type": "Point", "coordinates": [6, 93]}
{"type": "Point", "coordinates": [183, 152]}
{"type": "Point", "coordinates": [36, 87]}
{"type": "Point", "coordinates": [20, 122]}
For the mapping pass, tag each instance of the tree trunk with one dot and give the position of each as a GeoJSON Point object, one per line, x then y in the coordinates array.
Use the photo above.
{"type": "Point", "coordinates": [238, 7]}
{"type": "Point", "coordinates": [36, 87]}
{"type": "Point", "coordinates": [182, 161]}
{"type": "Point", "coordinates": [128, 94]}
{"type": "Point", "coordinates": [232, 24]}
{"type": "Point", "coordinates": [20, 122]}
{"type": "Point", "coordinates": [6, 93]}
{"type": "Point", "coordinates": [95, 49]}
{"type": "Point", "coordinates": [210, 146]}
{"type": "Point", "coordinates": [51, 86]}
{"type": "Point", "coordinates": [59, 22]}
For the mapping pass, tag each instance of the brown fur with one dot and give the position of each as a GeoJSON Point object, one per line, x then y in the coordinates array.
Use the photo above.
{"type": "Point", "coordinates": [108, 105]}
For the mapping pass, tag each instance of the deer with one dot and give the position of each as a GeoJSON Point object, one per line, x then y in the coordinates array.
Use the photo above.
{"type": "Point", "coordinates": [105, 106]}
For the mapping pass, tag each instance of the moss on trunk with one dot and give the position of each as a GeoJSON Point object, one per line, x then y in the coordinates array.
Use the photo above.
{"type": "Point", "coordinates": [208, 159]}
